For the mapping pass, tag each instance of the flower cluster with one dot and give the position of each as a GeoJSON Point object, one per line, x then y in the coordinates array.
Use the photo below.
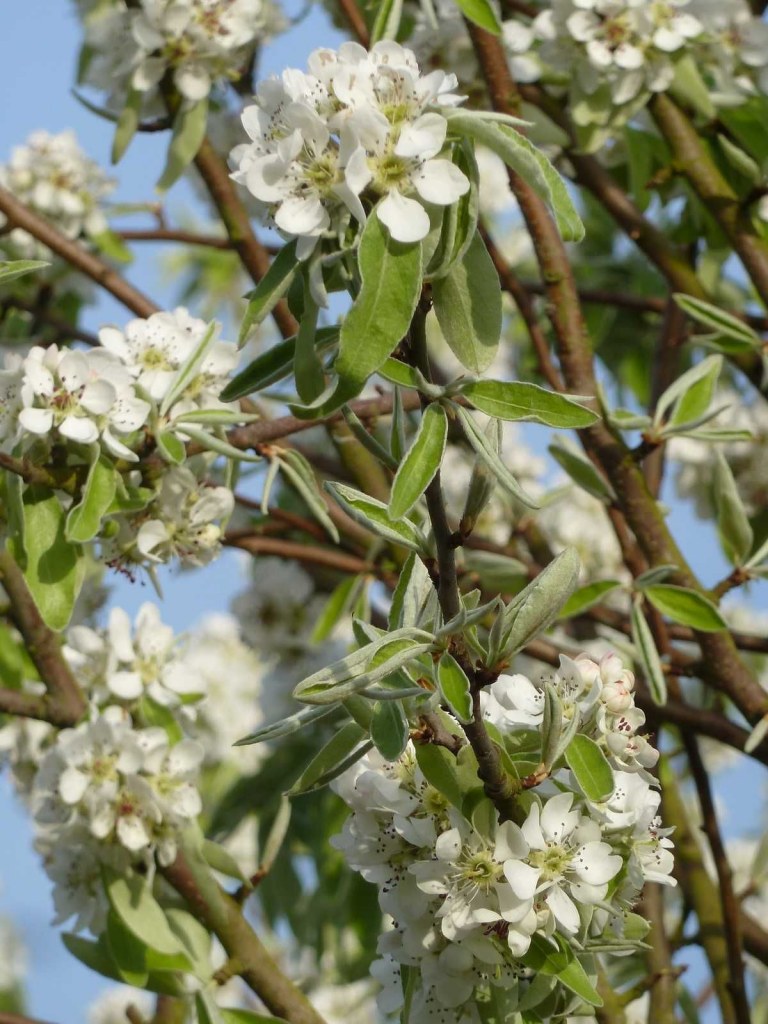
{"type": "Point", "coordinates": [622, 51]}
{"type": "Point", "coordinates": [52, 176]}
{"type": "Point", "coordinates": [200, 42]}
{"type": "Point", "coordinates": [153, 381]}
{"type": "Point", "coordinates": [116, 791]}
{"type": "Point", "coordinates": [357, 127]}
{"type": "Point", "coordinates": [109, 794]}
{"type": "Point", "coordinates": [472, 901]}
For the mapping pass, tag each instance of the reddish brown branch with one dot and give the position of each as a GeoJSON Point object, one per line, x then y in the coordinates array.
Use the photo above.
{"type": "Point", "coordinates": [75, 254]}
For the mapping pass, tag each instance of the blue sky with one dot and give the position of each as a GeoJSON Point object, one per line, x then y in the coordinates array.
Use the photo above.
{"type": "Point", "coordinates": [37, 55]}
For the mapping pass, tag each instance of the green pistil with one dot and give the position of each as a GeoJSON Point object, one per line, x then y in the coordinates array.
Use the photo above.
{"type": "Point", "coordinates": [552, 862]}
{"type": "Point", "coordinates": [322, 174]}
{"type": "Point", "coordinates": [481, 869]}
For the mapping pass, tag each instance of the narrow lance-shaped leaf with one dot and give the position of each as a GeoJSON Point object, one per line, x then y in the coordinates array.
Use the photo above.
{"type": "Point", "coordinates": [481, 13]}
{"type": "Point", "coordinates": [389, 728]}
{"type": "Point", "coordinates": [307, 368]}
{"type": "Point", "coordinates": [519, 154]}
{"type": "Point", "coordinates": [366, 439]}
{"type": "Point", "coordinates": [53, 570]}
{"type": "Point", "coordinates": [286, 726]}
{"type": "Point", "coordinates": [189, 368]}
{"type": "Point", "coordinates": [551, 726]}
{"type": "Point", "coordinates": [455, 687]}
{"type": "Point", "coordinates": [390, 273]}
{"type": "Point", "coordinates": [188, 134]}
{"type": "Point", "coordinates": [421, 462]}
{"type": "Point", "coordinates": [560, 961]}
{"type": "Point", "coordinates": [536, 607]}
{"type": "Point", "coordinates": [586, 597]}
{"type": "Point", "coordinates": [690, 394]}
{"type": "Point", "coordinates": [467, 304]}
{"type": "Point", "coordinates": [516, 400]}
{"type": "Point", "coordinates": [127, 124]}
{"type": "Point", "coordinates": [685, 606]}
{"type": "Point", "coordinates": [268, 292]}
{"type": "Point", "coordinates": [9, 271]}
{"type": "Point", "coordinates": [374, 515]}
{"type": "Point", "coordinates": [301, 475]}
{"type": "Point", "coordinates": [580, 469]}
{"type": "Point", "coordinates": [732, 522]}
{"type": "Point", "coordinates": [588, 763]}
{"type": "Point", "coordinates": [274, 365]}
{"type": "Point", "coordinates": [329, 760]}
{"type": "Point", "coordinates": [85, 518]}
{"type": "Point", "coordinates": [486, 450]}
{"type": "Point", "coordinates": [720, 321]}
{"type": "Point", "coordinates": [653, 670]}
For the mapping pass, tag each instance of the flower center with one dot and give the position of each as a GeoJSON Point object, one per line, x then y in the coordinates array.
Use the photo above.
{"type": "Point", "coordinates": [553, 862]}
{"type": "Point", "coordinates": [480, 869]}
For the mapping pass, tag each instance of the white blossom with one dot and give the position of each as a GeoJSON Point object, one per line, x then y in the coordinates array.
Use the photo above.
{"type": "Point", "coordinates": [54, 177]}
{"type": "Point", "coordinates": [359, 125]}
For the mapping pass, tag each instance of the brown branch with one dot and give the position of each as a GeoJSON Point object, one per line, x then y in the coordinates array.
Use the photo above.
{"type": "Point", "coordinates": [255, 544]}
{"type": "Point", "coordinates": [264, 431]}
{"type": "Point", "coordinates": [67, 703]}
{"type": "Point", "coordinates": [252, 253]}
{"type": "Point", "coordinates": [18, 1018]}
{"type": "Point", "coordinates": [663, 986]}
{"type": "Point", "coordinates": [638, 505]}
{"type": "Point", "coordinates": [728, 901]}
{"type": "Point", "coordinates": [175, 235]}
{"type": "Point", "coordinates": [694, 160]}
{"type": "Point", "coordinates": [356, 21]}
{"type": "Point", "coordinates": [666, 365]}
{"type": "Point", "coordinates": [220, 913]}
{"type": "Point", "coordinates": [510, 283]}
{"type": "Point", "coordinates": [76, 255]}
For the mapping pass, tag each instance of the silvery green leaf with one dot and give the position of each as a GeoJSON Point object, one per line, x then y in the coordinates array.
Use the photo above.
{"type": "Point", "coordinates": [732, 522]}
{"type": "Point", "coordinates": [469, 617]}
{"type": "Point", "coordinates": [624, 419]}
{"type": "Point", "coordinates": [459, 221]}
{"type": "Point", "coordinates": [186, 139]}
{"type": "Point", "coordinates": [389, 729]}
{"type": "Point", "coordinates": [300, 474]}
{"type": "Point", "coordinates": [530, 163]}
{"type": "Point", "coordinates": [374, 515]}
{"type": "Point", "coordinates": [286, 726]}
{"type": "Point", "coordinates": [496, 572]}
{"type": "Point", "coordinates": [10, 270]}
{"type": "Point", "coordinates": [648, 656]}
{"type": "Point", "coordinates": [518, 400]}
{"type": "Point", "coordinates": [685, 606]}
{"type": "Point", "coordinates": [482, 482]}
{"type": "Point", "coordinates": [217, 417]}
{"type": "Point", "coordinates": [720, 436]}
{"type": "Point", "coordinates": [588, 763]}
{"type": "Point", "coordinates": [355, 665]}
{"type": "Point", "coordinates": [482, 13]}
{"type": "Point", "coordinates": [127, 124]}
{"type": "Point", "coordinates": [580, 469]}
{"type": "Point", "coordinates": [344, 748]}
{"type": "Point", "coordinates": [689, 396]}
{"type": "Point", "coordinates": [536, 607]}
{"type": "Point", "coordinates": [338, 604]}
{"type": "Point", "coordinates": [216, 444]}
{"type": "Point", "coordinates": [274, 365]}
{"type": "Point", "coordinates": [397, 438]}
{"type": "Point", "coordinates": [380, 316]}
{"type": "Point", "coordinates": [409, 377]}
{"type": "Point", "coordinates": [420, 463]}
{"type": "Point", "coordinates": [657, 574]}
{"type": "Point", "coordinates": [387, 20]}
{"type": "Point", "coordinates": [758, 556]}
{"type": "Point", "coordinates": [551, 726]}
{"type": "Point", "coordinates": [307, 367]}
{"type": "Point", "coordinates": [467, 304]}
{"type": "Point", "coordinates": [720, 321]}
{"type": "Point", "coordinates": [268, 292]}
{"type": "Point", "coordinates": [367, 440]}
{"type": "Point", "coordinates": [485, 449]}
{"type": "Point", "coordinates": [412, 594]}
{"type": "Point", "coordinates": [455, 687]}
{"type": "Point", "coordinates": [585, 597]}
